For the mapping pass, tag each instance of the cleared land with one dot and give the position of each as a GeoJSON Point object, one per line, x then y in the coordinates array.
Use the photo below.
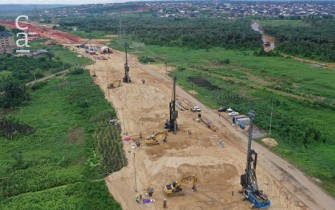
{"type": "Point", "coordinates": [143, 108]}
{"type": "Point", "coordinates": [302, 97]}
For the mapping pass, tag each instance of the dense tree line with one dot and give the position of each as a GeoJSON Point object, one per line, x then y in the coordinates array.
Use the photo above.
{"type": "Point", "coordinates": [195, 33]}
{"type": "Point", "coordinates": [316, 41]}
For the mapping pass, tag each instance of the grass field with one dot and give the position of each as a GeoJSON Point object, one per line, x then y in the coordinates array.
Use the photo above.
{"type": "Point", "coordinates": [303, 99]}
{"type": "Point", "coordinates": [59, 165]}
{"type": "Point", "coordinates": [60, 52]}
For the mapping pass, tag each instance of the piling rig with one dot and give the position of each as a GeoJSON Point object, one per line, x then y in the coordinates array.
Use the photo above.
{"type": "Point", "coordinates": [126, 78]}
{"type": "Point", "coordinates": [249, 180]}
{"type": "Point", "coordinates": [171, 124]}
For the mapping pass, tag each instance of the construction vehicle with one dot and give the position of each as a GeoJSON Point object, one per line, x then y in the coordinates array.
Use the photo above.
{"type": "Point", "coordinates": [249, 180]}
{"type": "Point", "coordinates": [154, 140]}
{"type": "Point", "coordinates": [114, 84]}
{"type": "Point", "coordinates": [105, 50]}
{"type": "Point", "coordinates": [83, 45]}
{"type": "Point", "coordinates": [196, 109]}
{"type": "Point", "coordinates": [172, 123]}
{"type": "Point", "coordinates": [175, 186]}
{"type": "Point", "coordinates": [126, 78]}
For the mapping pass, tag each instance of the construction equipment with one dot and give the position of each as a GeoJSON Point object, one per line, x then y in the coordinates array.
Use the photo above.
{"type": "Point", "coordinates": [249, 179]}
{"type": "Point", "coordinates": [105, 50]}
{"type": "Point", "coordinates": [83, 45]}
{"type": "Point", "coordinates": [114, 84]}
{"type": "Point", "coordinates": [154, 140]}
{"type": "Point", "coordinates": [175, 186]}
{"type": "Point", "coordinates": [126, 78]}
{"type": "Point", "coordinates": [172, 123]}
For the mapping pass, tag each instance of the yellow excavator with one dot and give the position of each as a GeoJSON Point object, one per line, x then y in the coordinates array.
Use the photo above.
{"type": "Point", "coordinates": [114, 84]}
{"type": "Point", "coordinates": [154, 139]}
{"type": "Point", "coordinates": [175, 186]}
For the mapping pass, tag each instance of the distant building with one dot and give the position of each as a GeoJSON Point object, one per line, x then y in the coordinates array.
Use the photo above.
{"type": "Point", "coordinates": [7, 44]}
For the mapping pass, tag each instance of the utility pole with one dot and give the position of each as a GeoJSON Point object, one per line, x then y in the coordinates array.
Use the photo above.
{"type": "Point", "coordinates": [135, 174]}
{"type": "Point", "coordinates": [124, 129]}
{"type": "Point", "coordinates": [271, 117]}
{"type": "Point", "coordinates": [166, 68]}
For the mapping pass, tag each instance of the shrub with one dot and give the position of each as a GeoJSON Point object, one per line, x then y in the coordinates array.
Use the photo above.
{"type": "Point", "coordinates": [146, 59]}
{"type": "Point", "coordinates": [76, 71]}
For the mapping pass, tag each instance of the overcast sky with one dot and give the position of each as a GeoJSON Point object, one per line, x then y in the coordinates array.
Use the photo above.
{"type": "Point", "coordinates": [60, 1]}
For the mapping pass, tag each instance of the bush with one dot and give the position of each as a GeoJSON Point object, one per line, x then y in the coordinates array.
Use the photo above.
{"type": "Point", "coordinates": [146, 59]}
{"type": "Point", "coordinates": [76, 71]}
{"type": "Point", "coordinates": [226, 61]}
{"type": "Point", "coordinates": [38, 85]}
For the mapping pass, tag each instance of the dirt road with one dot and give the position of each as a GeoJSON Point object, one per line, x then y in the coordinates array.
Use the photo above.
{"type": "Point", "coordinates": [143, 108]}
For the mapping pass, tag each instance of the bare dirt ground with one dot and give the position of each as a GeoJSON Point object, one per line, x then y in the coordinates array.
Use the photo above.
{"type": "Point", "coordinates": [143, 108]}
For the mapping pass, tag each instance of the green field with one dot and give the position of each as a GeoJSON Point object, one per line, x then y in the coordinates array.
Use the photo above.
{"type": "Point", "coordinates": [59, 162]}
{"type": "Point", "coordinates": [60, 53]}
{"type": "Point", "coordinates": [58, 165]}
{"type": "Point", "coordinates": [303, 98]}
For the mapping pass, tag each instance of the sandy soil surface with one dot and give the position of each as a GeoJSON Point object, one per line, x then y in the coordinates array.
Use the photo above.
{"type": "Point", "coordinates": [143, 108]}
{"type": "Point", "coordinates": [270, 142]}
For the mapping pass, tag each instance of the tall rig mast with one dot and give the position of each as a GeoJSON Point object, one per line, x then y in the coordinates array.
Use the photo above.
{"type": "Point", "coordinates": [249, 179]}
{"type": "Point", "coordinates": [122, 40]}
{"type": "Point", "coordinates": [126, 77]}
{"type": "Point", "coordinates": [172, 123]}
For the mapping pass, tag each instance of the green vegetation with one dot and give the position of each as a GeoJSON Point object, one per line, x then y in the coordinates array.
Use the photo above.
{"type": "Point", "coordinates": [16, 71]}
{"type": "Point", "coordinates": [60, 53]}
{"type": "Point", "coordinates": [146, 59]}
{"type": "Point", "coordinates": [303, 98]}
{"type": "Point", "coordinates": [309, 38]}
{"type": "Point", "coordinates": [60, 157]}
{"type": "Point", "coordinates": [194, 33]}
{"type": "Point", "coordinates": [54, 155]}
{"type": "Point", "coordinates": [24, 69]}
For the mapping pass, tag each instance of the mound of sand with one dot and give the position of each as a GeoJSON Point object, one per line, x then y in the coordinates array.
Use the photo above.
{"type": "Point", "coordinates": [270, 142]}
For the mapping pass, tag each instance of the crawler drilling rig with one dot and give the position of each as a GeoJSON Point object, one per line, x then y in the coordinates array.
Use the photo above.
{"type": "Point", "coordinates": [172, 123]}
{"type": "Point", "coordinates": [126, 78]}
{"type": "Point", "coordinates": [249, 179]}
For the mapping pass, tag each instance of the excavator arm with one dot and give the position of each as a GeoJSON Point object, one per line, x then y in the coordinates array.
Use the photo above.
{"type": "Point", "coordinates": [114, 84]}
{"type": "Point", "coordinates": [175, 186]}
{"type": "Point", "coordinates": [154, 140]}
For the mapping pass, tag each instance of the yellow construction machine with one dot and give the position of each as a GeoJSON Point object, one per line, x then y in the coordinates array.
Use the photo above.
{"type": "Point", "coordinates": [154, 139]}
{"type": "Point", "coordinates": [175, 186]}
{"type": "Point", "coordinates": [114, 84]}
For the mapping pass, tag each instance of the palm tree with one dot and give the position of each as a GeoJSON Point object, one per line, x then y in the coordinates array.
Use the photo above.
{"type": "Point", "coordinates": [50, 55]}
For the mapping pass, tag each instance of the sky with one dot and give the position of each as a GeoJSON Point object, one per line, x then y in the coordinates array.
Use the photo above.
{"type": "Point", "coordinates": [63, 1]}
{"type": "Point", "coordinates": [60, 1]}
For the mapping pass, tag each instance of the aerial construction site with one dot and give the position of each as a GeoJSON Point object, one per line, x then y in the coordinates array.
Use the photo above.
{"type": "Point", "coordinates": [194, 105]}
{"type": "Point", "coordinates": [183, 159]}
